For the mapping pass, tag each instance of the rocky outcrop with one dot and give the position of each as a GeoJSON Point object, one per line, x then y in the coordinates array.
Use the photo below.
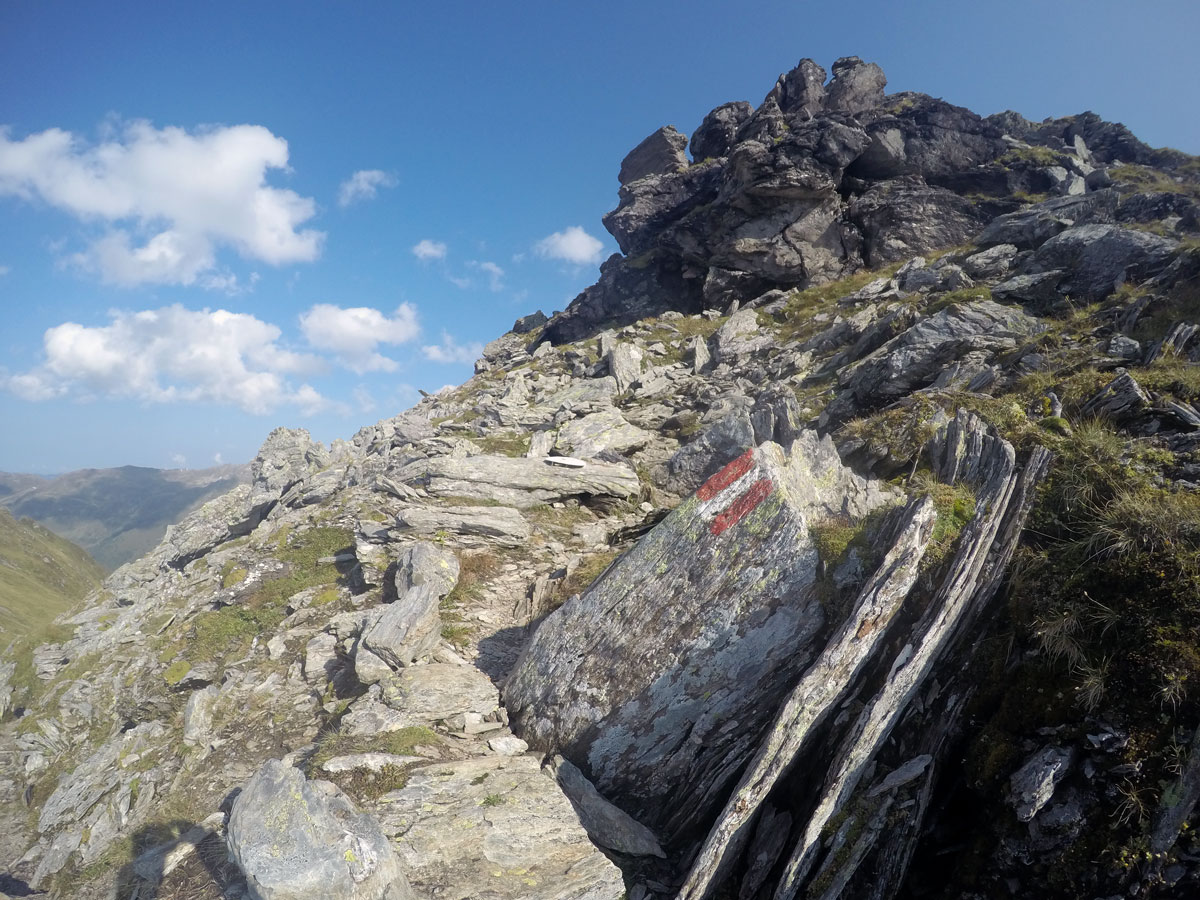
{"type": "Point", "coordinates": [659, 154]}
{"type": "Point", "coordinates": [738, 662]}
{"type": "Point", "coordinates": [686, 672]}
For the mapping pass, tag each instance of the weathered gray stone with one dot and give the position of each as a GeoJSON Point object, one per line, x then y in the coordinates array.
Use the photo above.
{"type": "Point", "coordinates": [1033, 226]}
{"type": "Point", "coordinates": [422, 695]}
{"type": "Point", "coordinates": [624, 364]}
{"type": "Point", "coordinates": [818, 694]}
{"type": "Point", "coordinates": [473, 525]}
{"type": "Point", "coordinates": [659, 154]}
{"type": "Point", "coordinates": [411, 625]}
{"type": "Point", "coordinates": [801, 92]}
{"type": "Point", "coordinates": [495, 827]}
{"type": "Point", "coordinates": [371, 762]}
{"type": "Point", "coordinates": [717, 132]}
{"type": "Point", "coordinates": [1032, 786]}
{"type": "Point", "coordinates": [1120, 399]}
{"type": "Point", "coordinates": [604, 430]}
{"type": "Point", "coordinates": [508, 745]}
{"type": "Point", "coordinates": [197, 715]}
{"type": "Point", "coordinates": [991, 263]}
{"type": "Point", "coordinates": [686, 672]}
{"type": "Point", "coordinates": [304, 840]}
{"type": "Point", "coordinates": [520, 482]}
{"type": "Point", "coordinates": [856, 86]}
{"type": "Point", "coordinates": [605, 823]}
{"type": "Point", "coordinates": [1097, 259]}
{"type": "Point", "coordinates": [916, 357]}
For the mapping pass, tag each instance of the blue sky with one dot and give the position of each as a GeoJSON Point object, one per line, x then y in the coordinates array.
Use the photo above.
{"type": "Point", "coordinates": [218, 218]}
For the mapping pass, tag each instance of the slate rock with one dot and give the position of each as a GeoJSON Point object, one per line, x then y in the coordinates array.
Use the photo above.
{"type": "Point", "coordinates": [296, 839]}
{"type": "Point", "coordinates": [494, 827]}
{"type": "Point", "coordinates": [411, 626]}
{"type": "Point", "coordinates": [1032, 786]}
{"type": "Point", "coordinates": [531, 322]}
{"type": "Point", "coordinates": [917, 357]}
{"type": "Point", "coordinates": [624, 364]}
{"type": "Point", "coordinates": [605, 823]}
{"type": "Point", "coordinates": [904, 217]}
{"type": "Point", "coordinates": [856, 86]}
{"type": "Point", "coordinates": [521, 482]}
{"type": "Point", "coordinates": [659, 154]}
{"type": "Point", "coordinates": [693, 664]}
{"type": "Point", "coordinates": [1031, 227]}
{"type": "Point", "coordinates": [1097, 259]}
{"type": "Point", "coordinates": [473, 526]}
{"type": "Point", "coordinates": [717, 132]}
{"type": "Point", "coordinates": [801, 92]}
{"type": "Point", "coordinates": [597, 432]}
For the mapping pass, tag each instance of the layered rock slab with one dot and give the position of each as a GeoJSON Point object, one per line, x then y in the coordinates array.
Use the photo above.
{"type": "Point", "coordinates": [714, 615]}
{"type": "Point", "coordinates": [495, 827]}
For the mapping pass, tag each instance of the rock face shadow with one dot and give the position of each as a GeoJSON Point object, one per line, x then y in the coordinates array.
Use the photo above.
{"type": "Point", "coordinates": [499, 651]}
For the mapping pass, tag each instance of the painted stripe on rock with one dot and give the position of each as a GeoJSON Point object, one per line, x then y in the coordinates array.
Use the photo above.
{"type": "Point", "coordinates": [742, 506]}
{"type": "Point", "coordinates": [727, 476]}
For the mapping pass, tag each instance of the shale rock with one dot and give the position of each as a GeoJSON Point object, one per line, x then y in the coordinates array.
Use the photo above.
{"type": "Point", "coordinates": [495, 827]}
{"type": "Point", "coordinates": [659, 154]}
{"type": "Point", "coordinates": [411, 625]}
{"type": "Point", "coordinates": [685, 671]}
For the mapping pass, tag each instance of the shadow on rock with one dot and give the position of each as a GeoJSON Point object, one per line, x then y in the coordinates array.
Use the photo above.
{"type": "Point", "coordinates": [177, 859]}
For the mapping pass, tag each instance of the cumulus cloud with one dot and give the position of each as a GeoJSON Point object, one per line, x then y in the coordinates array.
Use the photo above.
{"type": "Point", "coordinates": [450, 351]}
{"type": "Point", "coordinates": [165, 200]}
{"type": "Point", "coordinates": [364, 185]}
{"type": "Point", "coordinates": [172, 354]}
{"type": "Point", "coordinates": [354, 334]}
{"type": "Point", "coordinates": [426, 249]}
{"type": "Point", "coordinates": [494, 273]}
{"type": "Point", "coordinates": [573, 245]}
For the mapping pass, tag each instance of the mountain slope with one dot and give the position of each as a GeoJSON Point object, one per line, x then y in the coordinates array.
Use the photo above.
{"type": "Point", "coordinates": [115, 514]}
{"type": "Point", "coordinates": [733, 535]}
{"type": "Point", "coordinates": [41, 576]}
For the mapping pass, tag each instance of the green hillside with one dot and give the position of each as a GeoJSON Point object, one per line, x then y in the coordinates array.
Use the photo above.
{"type": "Point", "coordinates": [41, 575]}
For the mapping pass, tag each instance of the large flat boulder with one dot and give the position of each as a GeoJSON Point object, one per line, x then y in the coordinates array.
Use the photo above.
{"type": "Point", "coordinates": [522, 482]}
{"type": "Point", "coordinates": [712, 615]}
{"type": "Point", "coordinates": [495, 827]}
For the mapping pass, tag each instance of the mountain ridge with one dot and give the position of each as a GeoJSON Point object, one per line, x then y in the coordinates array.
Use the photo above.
{"type": "Point", "coordinates": [116, 514]}
{"type": "Point", "coordinates": [726, 544]}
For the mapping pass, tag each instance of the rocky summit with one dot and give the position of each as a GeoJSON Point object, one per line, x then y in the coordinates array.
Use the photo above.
{"type": "Point", "coordinates": [842, 541]}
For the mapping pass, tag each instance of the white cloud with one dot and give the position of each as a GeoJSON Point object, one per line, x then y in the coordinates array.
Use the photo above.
{"type": "Point", "coordinates": [4, 270]}
{"type": "Point", "coordinates": [364, 185]}
{"type": "Point", "coordinates": [166, 200]}
{"type": "Point", "coordinates": [573, 245]}
{"type": "Point", "coordinates": [463, 283]}
{"type": "Point", "coordinates": [426, 249]}
{"type": "Point", "coordinates": [494, 273]}
{"type": "Point", "coordinates": [354, 334]}
{"type": "Point", "coordinates": [172, 354]}
{"type": "Point", "coordinates": [450, 351]}
{"type": "Point", "coordinates": [218, 459]}
{"type": "Point", "coordinates": [179, 460]}
{"type": "Point", "coordinates": [363, 399]}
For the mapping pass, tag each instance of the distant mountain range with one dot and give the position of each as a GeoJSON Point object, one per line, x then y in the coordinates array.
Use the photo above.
{"type": "Point", "coordinates": [119, 514]}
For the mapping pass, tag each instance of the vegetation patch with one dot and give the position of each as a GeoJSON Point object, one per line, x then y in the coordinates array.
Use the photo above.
{"type": "Point", "coordinates": [176, 672]}
{"type": "Point", "coordinates": [586, 573]}
{"type": "Point", "coordinates": [504, 443]}
{"type": "Point", "coordinates": [233, 574]}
